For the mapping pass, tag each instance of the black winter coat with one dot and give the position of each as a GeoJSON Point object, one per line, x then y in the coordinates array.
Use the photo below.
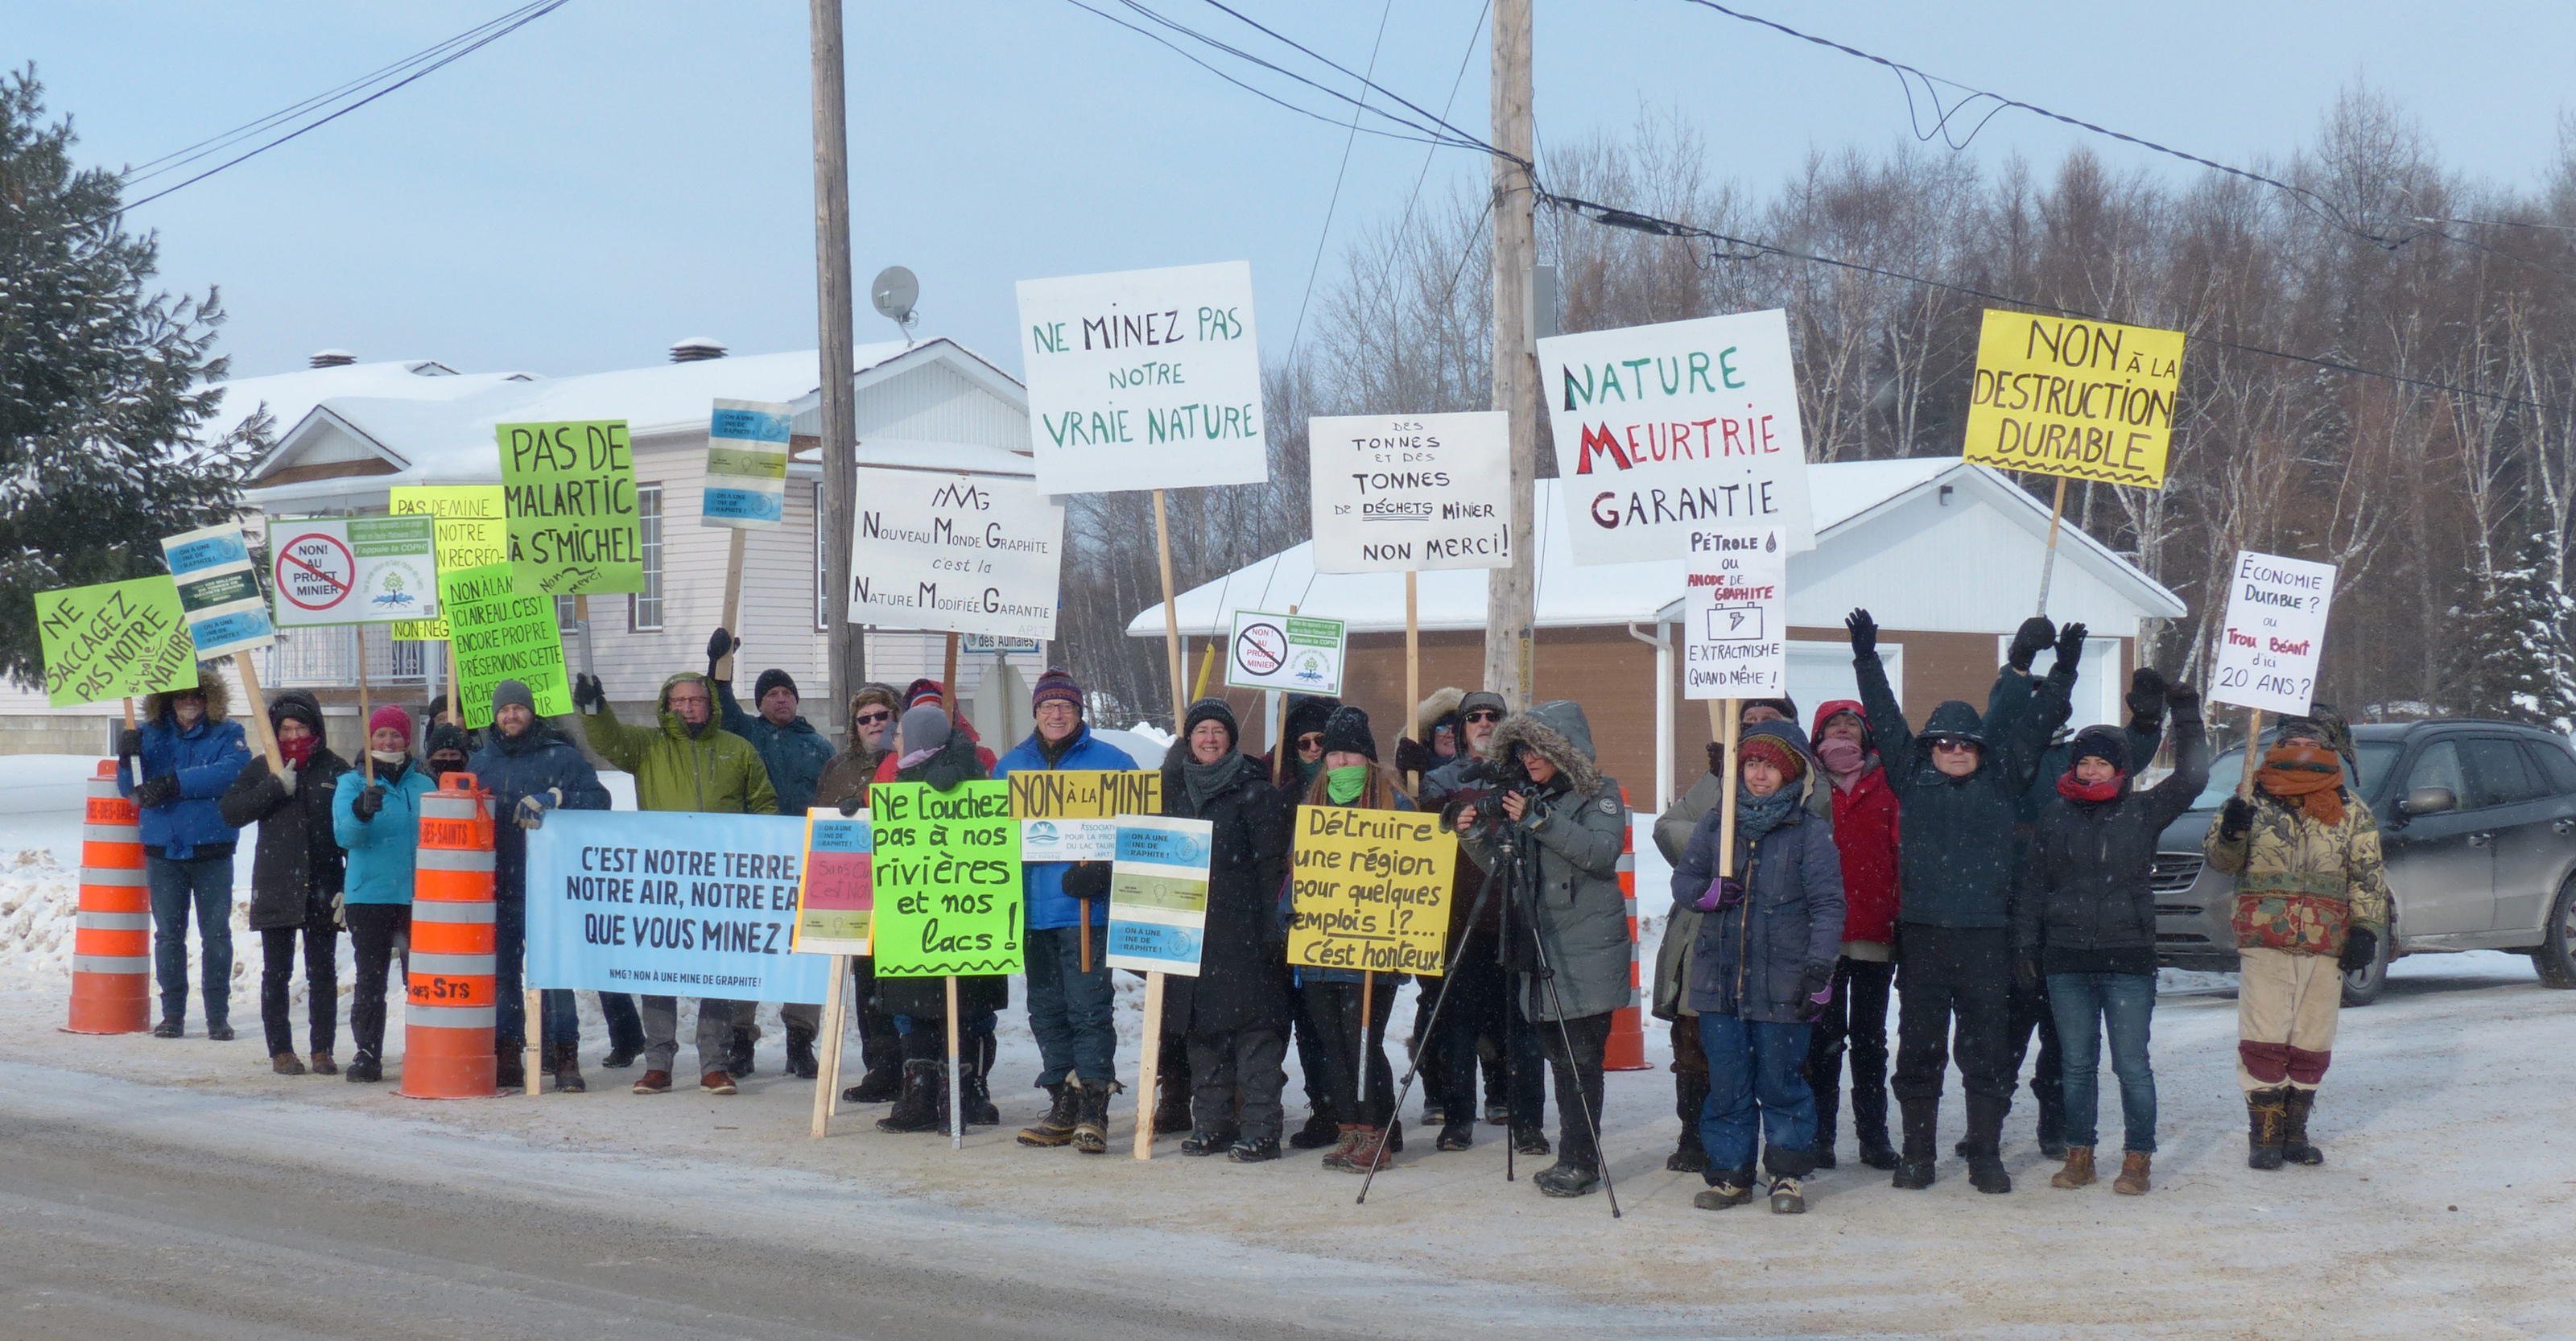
{"type": "Point", "coordinates": [537, 761]}
{"type": "Point", "coordinates": [1956, 850]}
{"type": "Point", "coordinates": [1242, 981]}
{"type": "Point", "coordinates": [298, 867]}
{"type": "Point", "coordinates": [2084, 885]}
{"type": "Point", "coordinates": [927, 998]}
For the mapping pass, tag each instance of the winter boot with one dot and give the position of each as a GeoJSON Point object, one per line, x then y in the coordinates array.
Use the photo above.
{"type": "Point", "coordinates": [1056, 1128]}
{"type": "Point", "coordinates": [1730, 1187]}
{"type": "Point", "coordinates": [1530, 1141]}
{"type": "Point", "coordinates": [801, 1062]}
{"type": "Point", "coordinates": [286, 1064]}
{"type": "Point", "coordinates": [975, 1096]}
{"type": "Point", "coordinates": [219, 1032]}
{"type": "Point", "coordinates": [1171, 1104]}
{"type": "Point", "coordinates": [1986, 1172]}
{"type": "Point", "coordinates": [2267, 1119]}
{"type": "Point", "coordinates": [567, 1069]}
{"type": "Point", "coordinates": [1460, 1135]}
{"type": "Point", "coordinates": [1869, 1126]}
{"type": "Point", "coordinates": [1566, 1178]}
{"type": "Point", "coordinates": [741, 1050]}
{"type": "Point", "coordinates": [323, 1065]}
{"type": "Point", "coordinates": [170, 1027]}
{"type": "Point", "coordinates": [1371, 1148]}
{"type": "Point", "coordinates": [716, 1082]}
{"type": "Point", "coordinates": [2135, 1167]}
{"type": "Point", "coordinates": [1345, 1137]}
{"type": "Point", "coordinates": [1690, 1099]}
{"type": "Point", "coordinates": [364, 1069]}
{"type": "Point", "coordinates": [1828, 1104]}
{"type": "Point", "coordinates": [509, 1068]}
{"type": "Point", "coordinates": [1206, 1141]}
{"type": "Point", "coordinates": [1985, 1144]}
{"type": "Point", "coordinates": [924, 1104]}
{"type": "Point", "coordinates": [619, 1056]}
{"type": "Point", "coordinates": [2295, 1148]}
{"type": "Point", "coordinates": [2078, 1171]}
{"type": "Point", "coordinates": [653, 1082]}
{"type": "Point", "coordinates": [1320, 1131]}
{"type": "Point", "coordinates": [1922, 1119]}
{"type": "Point", "coordinates": [1787, 1198]}
{"type": "Point", "coordinates": [1251, 1151]}
{"type": "Point", "coordinates": [1091, 1116]}
{"type": "Point", "coordinates": [881, 1084]}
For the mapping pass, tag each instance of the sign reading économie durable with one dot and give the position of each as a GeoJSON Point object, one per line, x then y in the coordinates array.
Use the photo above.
{"type": "Point", "coordinates": [1411, 493]}
{"type": "Point", "coordinates": [1158, 888]}
{"type": "Point", "coordinates": [672, 903]}
{"type": "Point", "coordinates": [955, 553]}
{"type": "Point", "coordinates": [1143, 379]}
{"type": "Point", "coordinates": [472, 530]}
{"type": "Point", "coordinates": [1298, 653]}
{"type": "Point", "coordinates": [218, 590]}
{"type": "Point", "coordinates": [352, 570]}
{"type": "Point", "coordinates": [746, 465]}
{"type": "Point", "coordinates": [2087, 400]}
{"type": "Point", "coordinates": [2275, 634]}
{"type": "Point", "coordinates": [574, 529]}
{"type": "Point", "coordinates": [114, 640]}
{"type": "Point", "coordinates": [1735, 635]}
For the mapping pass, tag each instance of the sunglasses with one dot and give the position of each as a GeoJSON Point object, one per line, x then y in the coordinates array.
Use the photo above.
{"type": "Point", "coordinates": [1312, 740]}
{"type": "Point", "coordinates": [872, 718]}
{"type": "Point", "coordinates": [1484, 715]}
{"type": "Point", "coordinates": [1949, 745]}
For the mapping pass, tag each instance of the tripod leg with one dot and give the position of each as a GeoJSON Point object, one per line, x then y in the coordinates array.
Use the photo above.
{"type": "Point", "coordinates": [1565, 1040]}
{"type": "Point", "coordinates": [1413, 1065]}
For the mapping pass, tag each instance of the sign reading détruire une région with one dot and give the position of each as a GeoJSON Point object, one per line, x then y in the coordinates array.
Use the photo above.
{"type": "Point", "coordinates": [1143, 379]}
{"type": "Point", "coordinates": [1370, 889]}
{"type": "Point", "coordinates": [1411, 493]}
{"type": "Point", "coordinates": [219, 590]}
{"type": "Point", "coordinates": [2274, 637]}
{"type": "Point", "coordinates": [1299, 653]}
{"type": "Point", "coordinates": [2084, 400]}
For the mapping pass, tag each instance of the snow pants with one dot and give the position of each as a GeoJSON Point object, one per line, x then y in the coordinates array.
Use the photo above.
{"type": "Point", "coordinates": [321, 983]}
{"type": "Point", "coordinates": [1575, 1050]}
{"type": "Point", "coordinates": [1243, 1064]}
{"type": "Point", "coordinates": [1755, 1090]}
{"type": "Point", "coordinates": [2286, 1009]}
{"type": "Point", "coordinates": [1854, 1021]}
{"type": "Point", "coordinates": [1947, 975]}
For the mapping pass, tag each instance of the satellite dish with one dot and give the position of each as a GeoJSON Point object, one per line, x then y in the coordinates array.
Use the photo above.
{"type": "Point", "coordinates": [894, 292]}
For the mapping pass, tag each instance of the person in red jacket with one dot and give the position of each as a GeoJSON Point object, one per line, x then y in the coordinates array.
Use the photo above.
{"type": "Point", "coordinates": [927, 690]}
{"type": "Point", "coordinates": [1856, 1019]}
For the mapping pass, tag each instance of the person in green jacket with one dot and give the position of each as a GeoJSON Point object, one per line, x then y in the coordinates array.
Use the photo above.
{"type": "Point", "coordinates": [378, 824]}
{"type": "Point", "coordinates": [684, 762]}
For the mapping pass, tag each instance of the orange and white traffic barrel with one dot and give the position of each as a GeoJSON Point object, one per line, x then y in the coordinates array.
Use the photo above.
{"type": "Point", "coordinates": [112, 932]}
{"type": "Point", "coordinates": [451, 994]}
{"type": "Point", "coordinates": [1626, 1050]}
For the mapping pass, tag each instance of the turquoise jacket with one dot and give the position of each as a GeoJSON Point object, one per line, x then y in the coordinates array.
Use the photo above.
{"type": "Point", "coordinates": [381, 849]}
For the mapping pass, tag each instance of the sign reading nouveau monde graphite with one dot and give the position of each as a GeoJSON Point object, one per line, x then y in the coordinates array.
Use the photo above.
{"type": "Point", "coordinates": [1667, 430]}
{"type": "Point", "coordinates": [1411, 492]}
{"type": "Point", "coordinates": [955, 553]}
{"type": "Point", "coordinates": [1144, 379]}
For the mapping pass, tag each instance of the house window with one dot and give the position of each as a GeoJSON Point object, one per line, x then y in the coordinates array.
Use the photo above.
{"type": "Point", "coordinates": [822, 568]}
{"type": "Point", "coordinates": [644, 610]}
{"type": "Point", "coordinates": [567, 616]}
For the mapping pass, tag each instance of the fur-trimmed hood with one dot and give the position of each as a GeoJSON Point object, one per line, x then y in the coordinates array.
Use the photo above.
{"type": "Point", "coordinates": [1557, 732]}
{"type": "Point", "coordinates": [219, 697]}
{"type": "Point", "coordinates": [1427, 714]}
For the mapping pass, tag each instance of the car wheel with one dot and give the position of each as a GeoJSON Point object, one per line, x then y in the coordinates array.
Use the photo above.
{"type": "Point", "coordinates": [2555, 956]}
{"type": "Point", "coordinates": [2362, 986]}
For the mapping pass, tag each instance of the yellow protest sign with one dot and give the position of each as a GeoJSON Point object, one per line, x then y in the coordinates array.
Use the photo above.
{"type": "Point", "coordinates": [472, 532]}
{"type": "Point", "coordinates": [2087, 400]}
{"type": "Point", "coordinates": [1068, 814]}
{"type": "Point", "coordinates": [1370, 890]}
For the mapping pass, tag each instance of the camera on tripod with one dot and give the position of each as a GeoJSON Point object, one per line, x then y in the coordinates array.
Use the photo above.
{"type": "Point", "coordinates": [1483, 785]}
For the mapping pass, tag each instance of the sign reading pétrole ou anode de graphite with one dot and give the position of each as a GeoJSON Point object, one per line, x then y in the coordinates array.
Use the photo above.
{"type": "Point", "coordinates": [674, 903]}
{"type": "Point", "coordinates": [2275, 634]}
{"type": "Point", "coordinates": [955, 554]}
{"type": "Point", "coordinates": [1735, 632]}
{"type": "Point", "coordinates": [1143, 379]}
{"type": "Point", "coordinates": [1407, 493]}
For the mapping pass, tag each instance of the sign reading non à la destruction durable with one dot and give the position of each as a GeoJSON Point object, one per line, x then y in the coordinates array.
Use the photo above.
{"type": "Point", "coordinates": [746, 465]}
{"type": "Point", "coordinates": [1735, 635]}
{"type": "Point", "coordinates": [946, 871]}
{"type": "Point", "coordinates": [1403, 493]}
{"type": "Point", "coordinates": [2086, 400]}
{"type": "Point", "coordinates": [671, 903]}
{"type": "Point", "coordinates": [1073, 814]}
{"type": "Point", "coordinates": [837, 898]}
{"type": "Point", "coordinates": [1158, 889]}
{"type": "Point", "coordinates": [218, 590]}
{"type": "Point", "coordinates": [1370, 890]}
{"type": "Point", "coordinates": [955, 553]}
{"type": "Point", "coordinates": [2275, 634]}
{"type": "Point", "coordinates": [472, 530]}
{"type": "Point", "coordinates": [114, 640]}
{"type": "Point", "coordinates": [1299, 653]}
{"type": "Point", "coordinates": [1666, 431]}
{"type": "Point", "coordinates": [352, 570]}
{"type": "Point", "coordinates": [1143, 379]}
{"type": "Point", "coordinates": [573, 525]}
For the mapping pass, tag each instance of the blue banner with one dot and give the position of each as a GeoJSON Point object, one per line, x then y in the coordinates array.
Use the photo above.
{"type": "Point", "coordinates": [744, 504]}
{"type": "Point", "coordinates": [669, 904]}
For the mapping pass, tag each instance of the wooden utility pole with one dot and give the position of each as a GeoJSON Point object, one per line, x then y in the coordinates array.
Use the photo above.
{"type": "Point", "coordinates": [1511, 594]}
{"type": "Point", "coordinates": [833, 298]}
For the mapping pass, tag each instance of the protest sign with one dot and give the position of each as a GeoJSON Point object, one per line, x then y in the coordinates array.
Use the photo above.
{"type": "Point", "coordinates": [352, 570]}
{"type": "Point", "coordinates": [1293, 652]}
{"type": "Point", "coordinates": [1735, 634]}
{"type": "Point", "coordinates": [1667, 430]}
{"type": "Point", "coordinates": [2275, 634]}
{"type": "Point", "coordinates": [746, 465]}
{"type": "Point", "coordinates": [472, 530]}
{"type": "Point", "coordinates": [672, 903]}
{"type": "Point", "coordinates": [1144, 379]}
{"type": "Point", "coordinates": [1067, 814]}
{"type": "Point", "coordinates": [496, 634]}
{"type": "Point", "coordinates": [113, 640]}
{"type": "Point", "coordinates": [947, 876]}
{"type": "Point", "coordinates": [837, 897]}
{"type": "Point", "coordinates": [2083, 400]}
{"type": "Point", "coordinates": [1158, 886]}
{"type": "Point", "coordinates": [955, 553]}
{"type": "Point", "coordinates": [218, 590]}
{"type": "Point", "coordinates": [571, 494]}
{"type": "Point", "coordinates": [1411, 493]}
{"type": "Point", "coordinates": [1371, 890]}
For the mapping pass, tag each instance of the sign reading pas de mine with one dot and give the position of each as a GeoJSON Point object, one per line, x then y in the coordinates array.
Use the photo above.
{"type": "Point", "coordinates": [1144, 379]}
{"type": "Point", "coordinates": [352, 570]}
{"type": "Point", "coordinates": [571, 490]}
{"type": "Point", "coordinates": [2085, 400]}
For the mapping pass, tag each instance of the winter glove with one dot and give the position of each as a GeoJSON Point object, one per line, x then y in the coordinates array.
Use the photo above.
{"type": "Point", "coordinates": [2147, 690]}
{"type": "Point", "coordinates": [1816, 987]}
{"type": "Point", "coordinates": [1864, 633]}
{"type": "Point", "coordinates": [1717, 759]}
{"type": "Point", "coordinates": [531, 810]}
{"type": "Point", "coordinates": [2184, 701]}
{"type": "Point", "coordinates": [2034, 634]}
{"type": "Point", "coordinates": [368, 803]}
{"type": "Point", "coordinates": [720, 644]}
{"type": "Point", "coordinates": [286, 782]}
{"type": "Point", "coordinates": [2234, 819]}
{"type": "Point", "coordinates": [2360, 947]}
{"type": "Point", "coordinates": [340, 909]}
{"type": "Point", "coordinates": [159, 791]}
{"type": "Point", "coordinates": [1411, 756]}
{"type": "Point", "coordinates": [2026, 971]}
{"type": "Point", "coordinates": [2070, 649]}
{"type": "Point", "coordinates": [129, 742]}
{"type": "Point", "coordinates": [1087, 880]}
{"type": "Point", "coordinates": [1724, 892]}
{"type": "Point", "coordinates": [850, 806]}
{"type": "Point", "coordinates": [587, 694]}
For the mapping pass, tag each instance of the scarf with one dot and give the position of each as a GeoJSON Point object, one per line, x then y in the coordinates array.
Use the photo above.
{"type": "Point", "coordinates": [2094, 792]}
{"type": "Point", "coordinates": [392, 759]}
{"type": "Point", "coordinates": [1758, 815]}
{"type": "Point", "coordinates": [299, 752]}
{"type": "Point", "coordinates": [2305, 779]}
{"type": "Point", "coordinates": [1845, 760]}
{"type": "Point", "coordinates": [919, 757]}
{"type": "Point", "coordinates": [1206, 782]}
{"type": "Point", "coordinates": [1344, 785]}
{"type": "Point", "coordinates": [1054, 751]}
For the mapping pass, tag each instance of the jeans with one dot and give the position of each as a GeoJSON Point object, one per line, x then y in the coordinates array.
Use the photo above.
{"type": "Point", "coordinates": [321, 982]}
{"type": "Point", "coordinates": [1756, 1085]}
{"type": "Point", "coordinates": [2123, 1005]}
{"type": "Point", "coordinates": [1070, 1011]}
{"type": "Point", "coordinates": [1479, 1006]}
{"type": "Point", "coordinates": [1350, 1061]}
{"type": "Point", "coordinates": [2030, 1011]}
{"type": "Point", "coordinates": [1574, 1050]}
{"type": "Point", "coordinates": [373, 929]}
{"type": "Point", "coordinates": [204, 884]}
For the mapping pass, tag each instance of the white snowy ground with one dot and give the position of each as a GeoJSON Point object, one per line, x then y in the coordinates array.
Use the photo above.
{"type": "Point", "coordinates": [2444, 1209]}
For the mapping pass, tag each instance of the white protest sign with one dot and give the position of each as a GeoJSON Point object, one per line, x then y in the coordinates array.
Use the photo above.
{"type": "Point", "coordinates": [218, 589]}
{"type": "Point", "coordinates": [1415, 492]}
{"type": "Point", "coordinates": [1663, 431]}
{"type": "Point", "coordinates": [1298, 653]}
{"type": "Point", "coordinates": [2275, 634]}
{"type": "Point", "coordinates": [746, 465]}
{"type": "Point", "coordinates": [1144, 379]}
{"type": "Point", "coordinates": [1735, 634]}
{"type": "Point", "coordinates": [955, 553]}
{"type": "Point", "coordinates": [353, 570]}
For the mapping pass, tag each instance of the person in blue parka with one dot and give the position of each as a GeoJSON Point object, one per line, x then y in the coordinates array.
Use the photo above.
{"type": "Point", "coordinates": [177, 766]}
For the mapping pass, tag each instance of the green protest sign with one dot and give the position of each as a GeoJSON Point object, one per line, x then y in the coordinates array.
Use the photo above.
{"type": "Point", "coordinates": [114, 640]}
{"type": "Point", "coordinates": [571, 493]}
{"type": "Point", "coordinates": [496, 634]}
{"type": "Point", "coordinates": [947, 876]}
{"type": "Point", "coordinates": [472, 531]}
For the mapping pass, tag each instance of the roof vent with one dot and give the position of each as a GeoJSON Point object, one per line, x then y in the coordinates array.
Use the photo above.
{"type": "Point", "coordinates": [332, 358]}
{"type": "Point", "coordinates": [696, 349]}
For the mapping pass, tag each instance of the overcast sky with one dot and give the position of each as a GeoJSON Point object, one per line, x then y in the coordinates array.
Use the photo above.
{"type": "Point", "coordinates": [624, 173]}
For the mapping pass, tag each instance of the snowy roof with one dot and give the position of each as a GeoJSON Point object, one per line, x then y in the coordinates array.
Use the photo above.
{"type": "Point", "coordinates": [292, 395]}
{"type": "Point", "coordinates": [1855, 505]}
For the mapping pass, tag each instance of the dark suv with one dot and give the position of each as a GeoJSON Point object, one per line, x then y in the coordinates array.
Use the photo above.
{"type": "Point", "coordinates": [2477, 821]}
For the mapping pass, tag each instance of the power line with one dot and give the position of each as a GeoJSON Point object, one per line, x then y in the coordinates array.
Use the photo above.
{"type": "Point", "coordinates": [1325, 234]}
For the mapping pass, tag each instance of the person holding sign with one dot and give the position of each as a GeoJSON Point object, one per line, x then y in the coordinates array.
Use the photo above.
{"type": "Point", "coordinates": [928, 750]}
{"type": "Point", "coordinates": [873, 708]}
{"type": "Point", "coordinates": [532, 771]}
{"type": "Point", "coordinates": [795, 755]}
{"type": "Point", "coordinates": [1349, 1011]}
{"type": "Point", "coordinates": [175, 766]}
{"type": "Point", "coordinates": [1565, 894]}
{"type": "Point", "coordinates": [2311, 905]}
{"type": "Point", "coordinates": [378, 824]}
{"type": "Point", "coordinates": [295, 877]}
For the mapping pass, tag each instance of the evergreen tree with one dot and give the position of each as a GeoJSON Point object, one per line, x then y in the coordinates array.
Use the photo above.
{"type": "Point", "coordinates": [2514, 659]}
{"type": "Point", "coordinates": [102, 384]}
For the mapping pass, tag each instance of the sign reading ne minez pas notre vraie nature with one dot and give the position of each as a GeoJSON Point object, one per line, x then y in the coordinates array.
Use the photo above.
{"type": "Point", "coordinates": [1143, 379]}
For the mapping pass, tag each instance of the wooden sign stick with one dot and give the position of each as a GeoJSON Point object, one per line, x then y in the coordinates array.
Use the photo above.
{"type": "Point", "coordinates": [266, 733]}
{"type": "Point", "coordinates": [367, 757]}
{"type": "Point", "coordinates": [732, 619]}
{"type": "Point", "coordinates": [835, 1023]}
{"type": "Point", "coordinates": [1726, 786]}
{"type": "Point", "coordinates": [1149, 1052]}
{"type": "Point", "coordinates": [2253, 753]}
{"type": "Point", "coordinates": [956, 1081]}
{"type": "Point", "coordinates": [2048, 564]}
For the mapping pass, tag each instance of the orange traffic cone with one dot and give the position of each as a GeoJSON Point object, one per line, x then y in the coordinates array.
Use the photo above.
{"type": "Point", "coordinates": [449, 1001]}
{"type": "Point", "coordinates": [1626, 1050]}
{"type": "Point", "coordinates": [112, 933]}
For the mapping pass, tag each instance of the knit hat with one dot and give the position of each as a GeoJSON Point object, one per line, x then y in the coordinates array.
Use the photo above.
{"type": "Point", "coordinates": [1776, 752]}
{"type": "Point", "coordinates": [2105, 743]}
{"type": "Point", "coordinates": [444, 738]}
{"type": "Point", "coordinates": [1308, 712]}
{"type": "Point", "coordinates": [1347, 730]}
{"type": "Point", "coordinates": [923, 690]}
{"type": "Point", "coordinates": [1056, 685]}
{"type": "Point", "coordinates": [1785, 706]}
{"type": "Point", "coordinates": [1485, 699]}
{"type": "Point", "coordinates": [772, 678]}
{"type": "Point", "coordinates": [392, 715]}
{"type": "Point", "coordinates": [924, 727]}
{"type": "Point", "coordinates": [512, 691]}
{"type": "Point", "coordinates": [296, 706]}
{"type": "Point", "coordinates": [1212, 710]}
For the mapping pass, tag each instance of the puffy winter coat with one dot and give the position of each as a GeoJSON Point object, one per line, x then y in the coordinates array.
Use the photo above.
{"type": "Point", "coordinates": [2301, 883]}
{"type": "Point", "coordinates": [2143, 739]}
{"type": "Point", "coordinates": [1673, 829]}
{"type": "Point", "coordinates": [298, 865]}
{"type": "Point", "coordinates": [1956, 846]}
{"type": "Point", "coordinates": [1747, 961]}
{"type": "Point", "coordinates": [927, 998]}
{"type": "Point", "coordinates": [2084, 884]}
{"type": "Point", "coordinates": [794, 754]}
{"type": "Point", "coordinates": [1243, 958]}
{"type": "Point", "coordinates": [1579, 915]}
{"type": "Point", "coordinates": [206, 757]}
{"type": "Point", "coordinates": [532, 763]}
{"type": "Point", "coordinates": [1865, 832]}
{"type": "Point", "coordinates": [381, 850]}
{"type": "Point", "coordinates": [711, 770]}
{"type": "Point", "coordinates": [1043, 881]}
